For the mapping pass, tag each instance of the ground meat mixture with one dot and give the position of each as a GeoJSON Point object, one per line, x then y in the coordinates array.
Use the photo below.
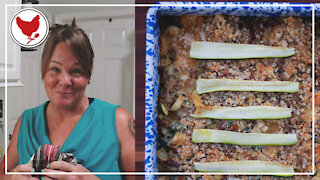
{"type": "Point", "coordinates": [178, 99]}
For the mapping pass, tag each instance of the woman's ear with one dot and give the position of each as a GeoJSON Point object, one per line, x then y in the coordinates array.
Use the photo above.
{"type": "Point", "coordinates": [90, 74]}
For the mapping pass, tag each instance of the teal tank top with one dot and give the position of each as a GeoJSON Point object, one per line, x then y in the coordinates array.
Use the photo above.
{"type": "Point", "coordinates": [93, 141]}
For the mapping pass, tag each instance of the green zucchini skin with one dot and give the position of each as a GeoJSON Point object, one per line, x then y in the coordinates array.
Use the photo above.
{"type": "Point", "coordinates": [218, 50]}
{"type": "Point", "coordinates": [212, 85]}
{"type": "Point", "coordinates": [249, 113]}
{"type": "Point", "coordinates": [245, 166]}
{"type": "Point", "coordinates": [248, 139]}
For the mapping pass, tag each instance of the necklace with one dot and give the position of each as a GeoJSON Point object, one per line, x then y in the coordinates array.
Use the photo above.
{"type": "Point", "coordinates": [59, 144]}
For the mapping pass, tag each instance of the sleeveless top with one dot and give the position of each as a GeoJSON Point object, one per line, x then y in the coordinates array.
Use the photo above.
{"type": "Point", "coordinates": [93, 141]}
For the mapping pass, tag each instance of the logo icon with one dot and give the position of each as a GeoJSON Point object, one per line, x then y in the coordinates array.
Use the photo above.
{"type": "Point", "coordinates": [29, 27]}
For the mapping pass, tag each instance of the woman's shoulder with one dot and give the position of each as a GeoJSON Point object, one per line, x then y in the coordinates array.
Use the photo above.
{"type": "Point", "coordinates": [36, 110]}
{"type": "Point", "coordinates": [103, 104]}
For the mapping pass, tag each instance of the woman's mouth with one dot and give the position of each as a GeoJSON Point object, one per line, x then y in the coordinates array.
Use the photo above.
{"type": "Point", "coordinates": [63, 93]}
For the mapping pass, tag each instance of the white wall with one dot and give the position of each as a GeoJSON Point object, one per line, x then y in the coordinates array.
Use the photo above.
{"type": "Point", "coordinates": [20, 98]}
{"type": "Point", "coordinates": [2, 58]}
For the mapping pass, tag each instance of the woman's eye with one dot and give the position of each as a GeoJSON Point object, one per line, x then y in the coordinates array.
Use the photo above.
{"type": "Point", "coordinates": [76, 71]}
{"type": "Point", "coordinates": [55, 69]}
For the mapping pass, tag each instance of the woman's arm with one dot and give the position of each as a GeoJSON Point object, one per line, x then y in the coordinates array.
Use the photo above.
{"type": "Point", "coordinates": [126, 135]}
{"type": "Point", "coordinates": [12, 152]}
{"type": "Point", "coordinates": [13, 158]}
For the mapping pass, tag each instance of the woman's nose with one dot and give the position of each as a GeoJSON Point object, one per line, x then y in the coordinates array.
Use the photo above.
{"type": "Point", "coordinates": [65, 80]}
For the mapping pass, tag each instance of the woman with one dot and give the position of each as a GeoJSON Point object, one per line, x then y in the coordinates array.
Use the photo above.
{"type": "Point", "coordinates": [99, 135]}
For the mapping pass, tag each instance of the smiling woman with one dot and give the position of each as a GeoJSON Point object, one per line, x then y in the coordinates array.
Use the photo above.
{"type": "Point", "coordinates": [64, 71]}
{"type": "Point", "coordinates": [96, 134]}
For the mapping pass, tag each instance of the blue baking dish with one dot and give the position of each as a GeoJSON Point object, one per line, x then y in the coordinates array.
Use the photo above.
{"type": "Point", "coordinates": [153, 59]}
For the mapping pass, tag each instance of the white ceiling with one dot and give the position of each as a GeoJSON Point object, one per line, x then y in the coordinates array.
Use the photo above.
{"type": "Point", "coordinates": [61, 10]}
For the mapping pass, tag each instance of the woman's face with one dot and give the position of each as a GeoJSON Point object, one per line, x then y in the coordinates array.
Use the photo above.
{"type": "Point", "coordinates": [65, 81]}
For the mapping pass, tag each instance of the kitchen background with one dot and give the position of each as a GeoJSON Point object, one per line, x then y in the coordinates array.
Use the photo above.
{"type": "Point", "coordinates": [111, 32]}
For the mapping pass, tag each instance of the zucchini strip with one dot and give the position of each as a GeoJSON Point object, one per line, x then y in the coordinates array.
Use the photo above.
{"type": "Point", "coordinates": [250, 112]}
{"type": "Point", "coordinates": [212, 85]}
{"type": "Point", "coordinates": [249, 166]}
{"type": "Point", "coordinates": [248, 139]}
{"type": "Point", "coordinates": [217, 50]}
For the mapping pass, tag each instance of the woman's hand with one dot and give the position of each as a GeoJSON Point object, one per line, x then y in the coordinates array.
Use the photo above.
{"type": "Point", "coordinates": [62, 166]}
{"type": "Point", "coordinates": [21, 168]}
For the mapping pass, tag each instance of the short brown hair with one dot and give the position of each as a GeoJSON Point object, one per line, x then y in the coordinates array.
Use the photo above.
{"type": "Point", "coordinates": [79, 44]}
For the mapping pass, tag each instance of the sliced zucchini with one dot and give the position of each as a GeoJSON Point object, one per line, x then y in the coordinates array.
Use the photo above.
{"type": "Point", "coordinates": [211, 85]}
{"type": "Point", "coordinates": [249, 139]}
{"type": "Point", "coordinates": [217, 50]}
{"type": "Point", "coordinates": [164, 109]}
{"type": "Point", "coordinates": [250, 112]}
{"type": "Point", "coordinates": [249, 166]}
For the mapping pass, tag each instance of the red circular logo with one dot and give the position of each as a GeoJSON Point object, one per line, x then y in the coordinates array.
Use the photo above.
{"type": "Point", "coordinates": [29, 27]}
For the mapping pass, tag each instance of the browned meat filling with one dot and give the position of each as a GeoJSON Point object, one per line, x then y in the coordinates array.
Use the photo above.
{"type": "Point", "coordinates": [178, 74]}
